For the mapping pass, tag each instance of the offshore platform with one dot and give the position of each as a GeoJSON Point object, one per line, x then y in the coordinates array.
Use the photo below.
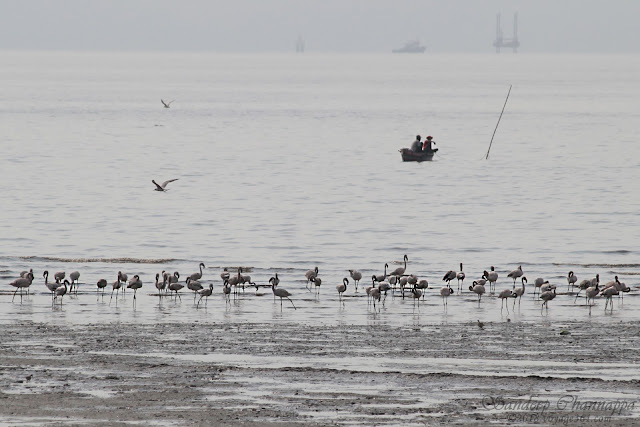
{"type": "Point", "coordinates": [506, 43]}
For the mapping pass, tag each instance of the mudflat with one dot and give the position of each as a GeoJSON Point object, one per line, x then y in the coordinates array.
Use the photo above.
{"type": "Point", "coordinates": [569, 373]}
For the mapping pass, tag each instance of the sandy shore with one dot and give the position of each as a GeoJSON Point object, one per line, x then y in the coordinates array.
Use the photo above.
{"type": "Point", "coordinates": [254, 374]}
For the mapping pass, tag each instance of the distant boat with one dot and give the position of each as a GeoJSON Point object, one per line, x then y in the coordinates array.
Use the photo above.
{"type": "Point", "coordinates": [300, 45]}
{"type": "Point", "coordinates": [412, 46]}
{"type": "Point", "coordinates": [411, 156]}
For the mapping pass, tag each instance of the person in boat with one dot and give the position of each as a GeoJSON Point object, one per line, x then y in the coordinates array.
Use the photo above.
{"type": "Point", "coordinates": [428, 144]}
{"type": "Point", "coordinates": [417, 145]}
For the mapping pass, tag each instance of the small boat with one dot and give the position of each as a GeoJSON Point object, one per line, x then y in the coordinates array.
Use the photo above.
{"type": "Point", "coordinates": [412, 46]}
{"type": "Point", "coordinates": [413, 156]}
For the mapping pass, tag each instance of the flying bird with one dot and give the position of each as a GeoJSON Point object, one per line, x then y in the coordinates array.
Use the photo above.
{"type": "Point", "coordinates": [166, 105]}
{"type": "Point", "coordinates": [163, 186]}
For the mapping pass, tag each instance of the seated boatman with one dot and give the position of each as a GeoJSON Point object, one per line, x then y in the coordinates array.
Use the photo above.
{"type": "Point", "coordinates": [417, 145]}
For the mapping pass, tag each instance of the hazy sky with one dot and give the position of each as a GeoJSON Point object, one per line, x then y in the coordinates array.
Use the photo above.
{"type": "Point", "coordinates": [326, 25]}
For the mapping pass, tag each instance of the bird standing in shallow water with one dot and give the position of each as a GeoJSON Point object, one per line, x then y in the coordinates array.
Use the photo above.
{"type": "Point", "coordinates": [74, 276]}
{"type": "Point", "coordinates": [282, 293]}
{"type": "Point", "coordinates": [135, 283]}
{"type": "Point", "coordinates": [515, 274]}
{"type": "Point", "coordinates": [507, 293]}
{"type": "Point", "coordinates": [356, 276]}
{"type": "Point", "coordinates": [205, 293]}
{"type": "Point", "coordinates": [445, 291]}
{"type": "Point", "coordinates": [546, 297]}
{"type": "Point", "coordinates": [102, 283]}
{"type": "Point", "coordinates": [491, 277]}
{"type": "Point", "coordinates": [460, 276]}
{"type": "Point", "coordinates": [519, 292]}
{"type": "Point", "coordinates": [61, 291]}
{"type": "Point", "coordinates": [478, 289]}
{"type": "Point", "coordinates": [342, 288]}
{"type": "Point", "coordinates": [571, 280]}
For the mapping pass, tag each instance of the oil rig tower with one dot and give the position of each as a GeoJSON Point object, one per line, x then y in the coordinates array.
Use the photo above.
{"type": "Point", "coordinates": [501, 41]}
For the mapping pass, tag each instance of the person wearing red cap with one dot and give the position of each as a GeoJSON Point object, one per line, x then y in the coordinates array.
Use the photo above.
{"type": "Point", "coordinates": [428, 141]}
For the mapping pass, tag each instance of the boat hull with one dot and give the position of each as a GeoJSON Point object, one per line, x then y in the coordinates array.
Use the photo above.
{"type": "Point", "coordinates": [412, 156]}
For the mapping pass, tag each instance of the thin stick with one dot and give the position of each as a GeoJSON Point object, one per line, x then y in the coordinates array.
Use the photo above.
{"type": "Point", "coordinates": [494, 131]}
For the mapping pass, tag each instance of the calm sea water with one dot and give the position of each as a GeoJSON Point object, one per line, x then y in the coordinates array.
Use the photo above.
{"type": "Point", "coordinates": [286, 162]}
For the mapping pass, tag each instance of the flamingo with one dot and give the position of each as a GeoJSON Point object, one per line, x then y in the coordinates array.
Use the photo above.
{"type": "Point", "coordinates": [135, 283]}
{"type": "Point", "coordinates": [311, 273]}
{"type": "Point", "coordinates": [122, 277]}
{"type": "Point", "coordinates": [375, 294]}
{"type": "Point", "coordinates": [172, 278]}
{"type": "Point", "coordinates": [51, 286]}
{"type": "Point", "coordinates": [115, 287]}
{"type": "Point", "coordinates": [226, 290]}
{"type": "Point", "coordinates": [546, 286]}
{"type": "Point", "coordinates": [608, 293]}
{"type": "Point", "coordinates": [317, 282]}
{"type": "Point", "coordinates": [102, 283]}
{"type": "Point", "coordinates": [161, 286]}
{"type": "Point", "coordinates": [449, 276]}
{"type": "Point", "coordinates": [422, 285]}
{"type": "Point", "coordinates": [205, 293]}
{"type": "Point", "coordinates": [380, 278]}
{"type": "Point", "coordinates": [587, 284]}
{"type": "Point", "coordinates": [416, 295]}
{"type": "Point", "coordinates": [356, 276]}
{"type": "Point", "coordinates": [507, 293]}
{"type": "Point", "coordinates": [368, 289]}
{"type": "Point", "coordinates": [61, 291]}
{"type": "Point", "coordinates": [491, 276]}
{"type": "Point", "coordinates": [537, 285]}
{"type": "Point", "coordinates": [478, 289]}
{"type": "Point", "coordinates": [546, 297]}
{"type": "Point", "coordinates": [591, 293]}
{"type": "Point", "coordinates": [515, 274]}
{"type": "Point", "coordinates": [275, 281]}
{"type": "Point", "coordinates": [571, 280]}
{"type": "Point", "coordinates": [342, 288]}
{"type": "Point", "coordinates": [445, 291]}
{"type": "Point", "coordinates": [59, 276]}
{"type": "Point", "coordinates": [197, 275]}
{"type": "Point", "coordinates": [400, 270]}
{"type": "Point", "coordinates": [22, 283]}
{"type": "Point", "coordinates": [519, 292]}
{"type": "Point", "coordinates": [194, 286]}
{"type": "Point", "coordinates": [74, 276]}
{"type": "Point", "coordinates": [621, 287]}
{"type": "Point", "coordinates": [460, 276]}
{"type": "Point", "coordinates": [175, 287]}
{"type": "Point", "coordinates": [384, 287]}
{"type": "Point", "coordinates": [282, 293]}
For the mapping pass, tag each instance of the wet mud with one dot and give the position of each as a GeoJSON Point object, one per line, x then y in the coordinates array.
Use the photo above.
{"type": "Point", "coordinates": [574, 373]}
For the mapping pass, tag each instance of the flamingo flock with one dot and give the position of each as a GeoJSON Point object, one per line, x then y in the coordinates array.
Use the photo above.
{"type": "Point", "coordinates": [396, 282]}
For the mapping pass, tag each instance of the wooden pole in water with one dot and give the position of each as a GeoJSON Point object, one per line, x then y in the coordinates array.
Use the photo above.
{"type": "Point", "coordinates": [494, 131]}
